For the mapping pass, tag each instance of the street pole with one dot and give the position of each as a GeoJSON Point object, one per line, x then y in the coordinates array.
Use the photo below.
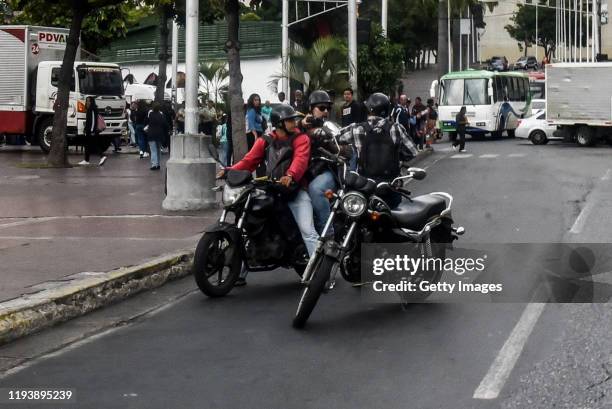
{"type": "Point", "coordinates": [190, 171]}
{"type": "Point", "coordinates": [536, 36]}
{"type": "Point", "coordinates": [384, 12]}
{"type": "Point", "coordinates": [175, 51]}
{"type": "Point", "coordinates": [450, 34]}
{"type": "Point", "coordinates": [557, 31]}
{"type": "Point", "coordinates": [469, 41]}
{"type": "Point", "coordinates": [575, 30]}
{"type": "Point", "coordinates": [580, 30]}
{"type": "Point", "coordinates": [588, 33]}
{"type": "Point", "coordinates": [285, 50]}
{"type": "Point", "coordinates": [460, 42]}
{"type": "Point", "coordinates": [352, 43]}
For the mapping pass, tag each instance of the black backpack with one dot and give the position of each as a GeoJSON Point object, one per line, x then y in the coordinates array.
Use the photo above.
{"type": "Point", "coordinates": [278, 156]}
{"type": "Point", "coordinates": [379, 157]}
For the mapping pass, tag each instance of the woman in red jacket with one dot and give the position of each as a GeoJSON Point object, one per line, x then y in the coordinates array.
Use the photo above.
{"type": "Point", "coordinates": [286, 133]}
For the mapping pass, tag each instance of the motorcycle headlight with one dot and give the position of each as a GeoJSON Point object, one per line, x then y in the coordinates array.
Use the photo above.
{"type": "Point", "coordinates": [231, 194]}
{"type": "Point", "coordinates": [354, 204]}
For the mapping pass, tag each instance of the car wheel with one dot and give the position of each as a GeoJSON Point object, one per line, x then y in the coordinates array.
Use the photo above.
{"type": "Point", "coordinates": [585, 136]}
{"type": "Point", "coordinates": [538, 137]}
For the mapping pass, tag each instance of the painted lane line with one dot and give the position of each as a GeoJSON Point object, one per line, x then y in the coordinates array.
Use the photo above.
{"type": "Point", "coordinates": [582, 218]}
{"type": "Point", "coordinates": [462, 156]}
{"type": "Point", "coordinates": [517, 155]}
{"type": "Point", "coordinates": [489, 156]}
{"type": "Point", "coordinates": [506, 359]}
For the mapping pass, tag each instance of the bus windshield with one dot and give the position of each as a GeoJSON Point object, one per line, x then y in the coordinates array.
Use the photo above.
{"type": "Point", "coordinates": [100, 81]}
{"type": "Point", "coordinates": [469, 91]}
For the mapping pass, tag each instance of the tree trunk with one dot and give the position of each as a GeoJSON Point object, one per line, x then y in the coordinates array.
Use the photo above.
{"type": "Point", "coordinates": [58, 156]}
{"type": "Point", "coordinates": [164, 34]}
{"type": "Point", "coordinates": [232, 12]}
{"type": "Point", "coordinates": [442, 54]}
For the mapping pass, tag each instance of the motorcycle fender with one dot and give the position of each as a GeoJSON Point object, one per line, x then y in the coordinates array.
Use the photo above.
{"type": "Point", "coordinates": [332, 249]}
{"type": "Point", "coordinates": [234, 233]}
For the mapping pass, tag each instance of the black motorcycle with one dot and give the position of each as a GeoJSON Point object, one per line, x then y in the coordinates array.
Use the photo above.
{"type": "Point", "coordinates": [256, 232]}
{"type": "Point", "coordinates": [361, 215]}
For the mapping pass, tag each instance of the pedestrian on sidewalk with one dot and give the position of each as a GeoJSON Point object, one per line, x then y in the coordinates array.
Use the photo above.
{"type": "Point", "coordinates": [462, 122]}
{"type": "Point", "coordinates": [92, 142]}
{"type": "Point", "coordinates": [419, 112]}
{"type": "Point", "coordinates": [140, 121]}
{"type": "Point", "coordinates": [352, 111]}
{"type": "Point", "coordinates": [158, 128]}
{"type": "Point", "coordinates": [130, 112]}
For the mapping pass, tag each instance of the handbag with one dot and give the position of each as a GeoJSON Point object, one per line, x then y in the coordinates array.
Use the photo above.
{"type": "Point", "coordinates": [100, 123]}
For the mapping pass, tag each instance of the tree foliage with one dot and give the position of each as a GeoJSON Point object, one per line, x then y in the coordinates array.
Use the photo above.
{"type": "Point", "coordinates": [380, 64]}
{"type": "Point", "coordinates": [523, 28]}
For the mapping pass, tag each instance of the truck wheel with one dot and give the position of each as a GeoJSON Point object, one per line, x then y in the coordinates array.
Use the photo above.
{"type": "Point", "coordinates": [538, 138]}
{"type": "Point", "coordinates": [585, 136]}
{"type": "Point", "coordinates": [44, 134]}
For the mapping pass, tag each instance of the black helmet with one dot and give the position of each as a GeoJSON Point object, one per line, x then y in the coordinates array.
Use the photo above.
{"type": "Point", "coordinates": [319, 97]}
{"type": "Point", "coordinates": [282, 113]}
{"type": "Point", "coordinates": [379, 104]}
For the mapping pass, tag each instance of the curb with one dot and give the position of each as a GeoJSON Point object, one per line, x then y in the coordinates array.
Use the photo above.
{"type": "Point", "coordinates": [89, 291]}
{"type": "Point", "coordinates": [421, 156]}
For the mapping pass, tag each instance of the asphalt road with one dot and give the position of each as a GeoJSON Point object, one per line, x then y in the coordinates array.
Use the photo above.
{"type": "Point", "coordinates": [241, 352]}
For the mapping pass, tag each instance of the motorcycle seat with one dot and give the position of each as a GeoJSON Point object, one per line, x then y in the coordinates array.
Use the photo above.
{"type": "Point", "coordinates": [414, 214]}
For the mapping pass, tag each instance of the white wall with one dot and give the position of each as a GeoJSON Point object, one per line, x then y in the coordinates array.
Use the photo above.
{"type": "Point", "coordinates": [256, 75]}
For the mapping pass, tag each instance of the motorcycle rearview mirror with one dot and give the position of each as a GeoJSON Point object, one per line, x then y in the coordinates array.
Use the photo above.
{"type": "Point", "coordinates": [214, 153]}
{"type": "Point", "coordinates": [417, 173]}
{"type": "Point", "coordinates": [331, 129]}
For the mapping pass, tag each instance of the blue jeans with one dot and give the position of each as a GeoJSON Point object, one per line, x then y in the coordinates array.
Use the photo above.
{"type": "Point", "coordinates": [223, 153]}
{"type": "Point", "coordinates": [317, 188]}
{"type": "Point", "coordinates": [301, 208]}
{"type": "Point", "coordinates": [155, 153]}
{"type": "Point", "coordinates": [141, 137]}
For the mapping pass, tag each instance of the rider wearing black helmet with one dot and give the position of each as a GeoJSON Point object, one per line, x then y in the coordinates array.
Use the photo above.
{"type": "Point", "coordinates": [380, 144]}
{"type": "Point", "coordinates": [290, 171]}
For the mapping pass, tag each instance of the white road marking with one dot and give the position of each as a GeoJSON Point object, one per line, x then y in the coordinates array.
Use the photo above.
{"type": "Point", "coordinates": [462, 156]}
{"type": "Point", "coordinates": [608, 175]}
{"type": "Point", "coordinates": [582, 218]}
{"type": "Point", "coordinates": [517, 155]}
{"type": "Point", "coordinates": [489, 155]}
{"type": "Point", "coordinates": [506, 359]}
{"type": "Point", "coordinates": [25, 220]}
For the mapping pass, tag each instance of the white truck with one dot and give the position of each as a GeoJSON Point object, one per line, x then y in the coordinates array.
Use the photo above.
{"type": "Point", "coordinates": [30, 63]}
{"type": "Point", "coordinates": [579, 101]}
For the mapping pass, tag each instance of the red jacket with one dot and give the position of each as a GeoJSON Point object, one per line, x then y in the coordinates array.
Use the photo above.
{"type": "Point", "coordinates": [299, 164]}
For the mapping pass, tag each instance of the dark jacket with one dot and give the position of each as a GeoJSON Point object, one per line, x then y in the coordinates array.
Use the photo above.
{"type": "Point", "coordinates": [140, 117]}
{"type": "Point", "coordinates": [353, 113]}
{"type": "Point", "coordinates": [91, 121]}
{"type": "Point", "coordinates": [158, 126]}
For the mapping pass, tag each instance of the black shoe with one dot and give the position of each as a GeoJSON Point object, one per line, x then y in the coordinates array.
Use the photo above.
{"type": "Point", "coordinates": [154, 167]}
{"type": "Point", "coordinates": [241, 282]}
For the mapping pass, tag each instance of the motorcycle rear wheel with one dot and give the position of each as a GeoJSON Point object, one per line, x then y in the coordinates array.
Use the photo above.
{"type": "Point", "coordinates": [210, 262]}
{"type": "Point", "coordinates": [313, 291]}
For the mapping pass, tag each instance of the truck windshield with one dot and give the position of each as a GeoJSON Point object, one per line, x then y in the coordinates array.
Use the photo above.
{"type": "Point", "coordinates": [100, 81]}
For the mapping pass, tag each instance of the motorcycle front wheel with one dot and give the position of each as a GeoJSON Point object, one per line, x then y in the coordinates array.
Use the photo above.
{"type": "Point", "coordinates": [313, 291]}
{"type": "Point", "coordinates": [216, 264]}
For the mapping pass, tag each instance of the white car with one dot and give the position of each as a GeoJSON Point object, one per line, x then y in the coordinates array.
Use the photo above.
{"type": "Point", "coordinates": [536, 129]}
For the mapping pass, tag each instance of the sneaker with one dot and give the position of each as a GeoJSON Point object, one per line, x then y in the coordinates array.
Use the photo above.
{"type": "Point", "coordinates": [102, 160]}
{"type": "Point", "coordinates": [141, 154]}
{"type": "Point", "coordinates": [154, 167]}
{"type": "Point", "coordinates": [454, 148]}
{"type": "Point", "coordinates": [83, 163]}
{"type": "Point", "coordinates": [145, 155]}
{"type": "Point", "coordinates": [462, 151]}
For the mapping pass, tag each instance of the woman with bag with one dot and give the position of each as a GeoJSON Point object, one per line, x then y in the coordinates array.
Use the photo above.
{"type": "Point", "coordinates": [157, 129]}
{"type": "Point", "coordinates": [93, 120]}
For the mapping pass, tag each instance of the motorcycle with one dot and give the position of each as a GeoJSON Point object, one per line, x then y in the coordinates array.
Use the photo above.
{"type": "Point", "coordinates": [261, 236]}
{"type": "Point", "coordinates": [360, 215]}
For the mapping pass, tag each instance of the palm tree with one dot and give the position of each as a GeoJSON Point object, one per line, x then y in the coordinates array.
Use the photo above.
{"type": "Point", "coordinates": [322, 66]}
{"type": "Point", "coordinates": [214, 75]}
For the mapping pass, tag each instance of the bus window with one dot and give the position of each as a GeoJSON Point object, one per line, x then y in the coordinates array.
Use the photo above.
{"type": "Point", "coordinates": [453, 92]}
{"type": "Point", "coordinates": [501, 88]}
{"type": "Point", "coordinates": [515, 92]}
{"type": "Point", "coordinates": [476, 92]}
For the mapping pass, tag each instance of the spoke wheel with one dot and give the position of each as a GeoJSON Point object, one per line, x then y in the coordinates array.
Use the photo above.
{"type": "Point", "coordinates": [216, 264]}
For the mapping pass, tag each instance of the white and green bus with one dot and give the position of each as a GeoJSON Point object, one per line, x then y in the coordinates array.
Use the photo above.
{"type": "Point", "coordinates": [495, 101]}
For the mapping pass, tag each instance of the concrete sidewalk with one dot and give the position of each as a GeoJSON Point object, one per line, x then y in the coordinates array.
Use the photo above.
{"type": "Point", "coordinates": [56, 223]}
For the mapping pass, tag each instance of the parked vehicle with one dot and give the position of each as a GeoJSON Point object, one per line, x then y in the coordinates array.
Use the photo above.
{"type": "Point", "coordinates": [360, 216]}
{"type": "Point", "coordinates": [261, 236]}
{"type": "Point", "coordinates": [536, 129]}
{"type": "Point", "coordinates": [578, 99]}
{"type": "Point", "coordinates": [537, 88]}
{"type": "Point", "coordinates": [498, 64]}
{"type": "Point", "coordinates": [30, 62]}
{"type": "Point", "coordinates": [495, 101]}
{"type": "Point", "coordinates": [526, 63]}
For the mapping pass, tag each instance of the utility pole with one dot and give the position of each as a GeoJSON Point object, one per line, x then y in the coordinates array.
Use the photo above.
{"type": "Point", "coordinates": [383, 16]}
{"type": "Point", "coordinates": [175, 51]}
{"type": "Point", "coordinates": [536, 36]}
{"type": "Point", "coordinates": [285, 50]}
{"type": "Point", "coordinates": [352, 43]}
{"type": "Point", "coordinates": [580, 30]}
{"type": "Point", "coordinates": [450, 34]}
{"type": "Point", "coordinates": [190, 169]}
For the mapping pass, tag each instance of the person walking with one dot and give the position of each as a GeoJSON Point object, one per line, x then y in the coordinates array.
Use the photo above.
{"type": "Point", "coordinates": [130, 111]}
{"type": "Point", "coordinates": [140, 121]}
{"type": "Point", "coordinates": [419, 112]}
{"type": "Point", "coordinates": [266, 111]}
{"type": "Point", "coordinates": [92, 144]}
{"type": "Point", "coordinates": [401, 114]}
{"type": "Point", "coordinates": [462, 122]}
{"type": "Point", "coordinates": [158, 129]}
{"type": "Point", "coordinates": [254, 120]}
